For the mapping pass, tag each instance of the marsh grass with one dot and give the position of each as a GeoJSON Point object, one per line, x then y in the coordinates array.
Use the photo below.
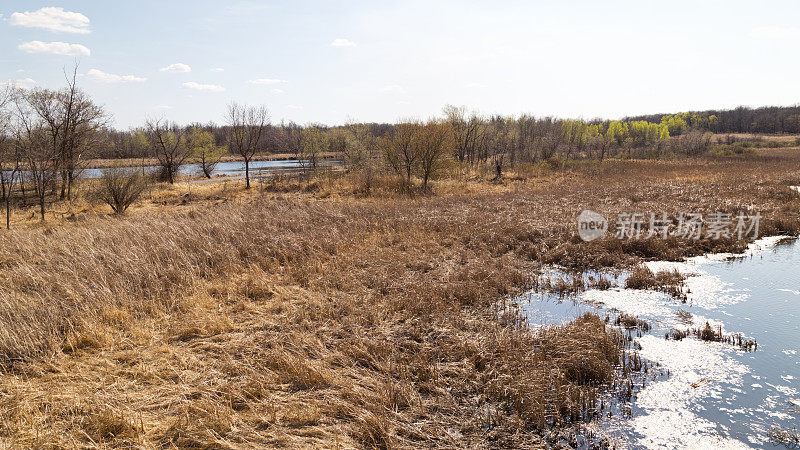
{"type": "Point", "coordinates": [316, 317]}
{"type": "Point", "coordinates": [668, 281]}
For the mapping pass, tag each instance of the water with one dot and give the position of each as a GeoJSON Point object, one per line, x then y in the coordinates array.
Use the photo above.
{"type": "Point", "coordinates": [715, 395]}
{"type": "Point", "coordinates": [226, 168]}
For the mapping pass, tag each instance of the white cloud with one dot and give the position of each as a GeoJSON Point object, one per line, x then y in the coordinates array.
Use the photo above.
{"type": "Point", "coordinates": [203, 87]}
{"type": "Point", "coordinates": [267, 81]}
{"type": "Point", "coordinates": [218, 69]}
{"type": "Point", "coordinates": [774, 32]}
{"type": "Point", "coordinates": [176, 68]}
{"type": "Point", "coordinates": [52, 18]}
{"type": "Point", "coordinates": [163, 107]}
{"type": "Point", "coordinates": [277, 91]}
{"type": "Point", "coordinates": [342, 42]}
{"type": "Point", "coordinates": [56, 48]}
{"type": "Point", "coordinates": [295, 107]}
{"type": "Point", "coordinates": [99, 75]}
{"type": "Point", "coordinates": [22, 83]}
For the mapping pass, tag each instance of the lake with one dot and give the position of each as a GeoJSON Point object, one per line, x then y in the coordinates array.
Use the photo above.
{"type": "Point", "coordinates": [229, 168]}
{"type": "Point", "coordinates": [706, 394]}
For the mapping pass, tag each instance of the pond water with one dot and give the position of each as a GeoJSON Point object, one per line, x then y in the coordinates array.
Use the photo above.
{"type": "Point", "coordinates": [706, 394]}
{"type": "Point", "coordinates": [228, 168]}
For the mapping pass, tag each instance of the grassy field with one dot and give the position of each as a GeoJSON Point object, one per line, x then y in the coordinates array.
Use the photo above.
{"type": "Point", "coordinates": [309, 316]}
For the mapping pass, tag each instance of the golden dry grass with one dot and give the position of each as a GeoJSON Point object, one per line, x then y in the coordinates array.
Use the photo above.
{"type": "Point", "coordinates": [320, 319]}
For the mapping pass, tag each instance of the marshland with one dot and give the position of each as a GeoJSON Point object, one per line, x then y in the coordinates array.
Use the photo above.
{"type": "Point", "coordinates": [349, 306]}
{"type": "Point", "coordinates": [212, 273]}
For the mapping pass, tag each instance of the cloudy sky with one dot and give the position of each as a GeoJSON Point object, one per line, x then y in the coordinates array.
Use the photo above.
{"type": "Point", "coordinates": [327, 61]}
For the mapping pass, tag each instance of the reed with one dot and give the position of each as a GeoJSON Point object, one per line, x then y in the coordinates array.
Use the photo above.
{"type": "Point", "coordinates": [316, 317]}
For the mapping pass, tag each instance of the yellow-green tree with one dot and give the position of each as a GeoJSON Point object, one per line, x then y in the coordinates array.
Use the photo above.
{"type": "Point", "coordinates": [676, 124]}
{"type": "Point", "coordinates": [617, 131]}
{"type": "Point", "coordinates": [203, 146]}
{"type": "Point", "coordinates": [313, 143]}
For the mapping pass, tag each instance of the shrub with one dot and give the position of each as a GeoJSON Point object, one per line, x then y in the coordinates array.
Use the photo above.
{"type": "Point", "coordinates": [120, 187]}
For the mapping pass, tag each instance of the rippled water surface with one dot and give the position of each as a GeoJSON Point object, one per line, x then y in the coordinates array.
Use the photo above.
{"type": "Point", "coordinates": [713, 395]}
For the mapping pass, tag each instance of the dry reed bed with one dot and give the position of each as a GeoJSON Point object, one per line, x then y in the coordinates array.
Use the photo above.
{"type": "Point", "coordinates": [287, 321]}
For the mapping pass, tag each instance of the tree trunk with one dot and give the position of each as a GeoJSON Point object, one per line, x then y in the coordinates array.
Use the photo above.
{"type": "Point", "coordinates": [247, 173]}
{"type": "Point", "coordinates": [63, 185]}
{"type": "Point", "coordinates": [22, 185]}
{"type": "Point", "coordinates": [70, 180]}
{"type": "Point", "coordinates": [41, 204]}
{"type": "Point", "coordinates": [7, 198]}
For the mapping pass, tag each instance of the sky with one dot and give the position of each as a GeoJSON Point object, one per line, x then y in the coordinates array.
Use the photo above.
{"type": "Point", "coordinates": [382, 61]}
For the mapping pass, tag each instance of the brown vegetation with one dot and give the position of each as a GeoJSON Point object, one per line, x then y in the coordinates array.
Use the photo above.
{"type": "Point", "coordinates": [225, 318]}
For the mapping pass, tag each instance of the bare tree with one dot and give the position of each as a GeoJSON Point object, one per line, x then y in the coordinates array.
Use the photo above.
{"type": "Point", "coordinates": [85, 122]}
{"type": "Point", "coordinates": [361, 152]}
{"type": "Point", "coordinates": [9, 161]}
{"type": "Point", "coordinates": [168, 143]}
{"type": "Point", "coordinates": [431, 142]}
{"type": "Point", "coordinates": [503, 144]}
{"type": "Point", "coordinates": [72, 123]}
{"type": "Point", "coordinates": [466, 130]}
{"type": "Point", "coordinates": [399, 149]}
{"type": "Point", "coordinates": [291, 140]}
{"type": "Point", "coordinates": [248, 125]}
{"type": "Point", "coordinates": [34, 141]}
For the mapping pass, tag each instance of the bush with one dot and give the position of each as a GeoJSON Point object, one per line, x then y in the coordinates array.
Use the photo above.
{"type": "Point", "coordinates": [120, 187]}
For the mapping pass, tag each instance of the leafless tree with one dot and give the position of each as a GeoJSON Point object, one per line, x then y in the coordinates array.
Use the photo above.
{"type": "Point", "coordinates": [466, 130]}
{"type": "Point", "coordinates": [9, 161]}
{"type": "Point", "coordinates": [399, 149]}
{"type": "Point", "coordinates": [34, 141]}
{"type": "Point", "coordinates": [503, 144]}
{"type": "Point", "coordinates": [361, 152]}
{"type": "Point", "coordinates": [247, 127]}
{"type": "Point", "coordinates": [72, 123]}
{"type": "Point", "coordinates": [85, 122]}
{"type": "Point", "coordinates": [290, 140]}
{"type": "Point", "coordinates": [167, 141]}
{"type": "Point", "coordinates": [430, 143]}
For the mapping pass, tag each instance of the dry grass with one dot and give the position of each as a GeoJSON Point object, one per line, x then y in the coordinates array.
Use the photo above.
{"type": "Point", "coordinates": [233, 319]}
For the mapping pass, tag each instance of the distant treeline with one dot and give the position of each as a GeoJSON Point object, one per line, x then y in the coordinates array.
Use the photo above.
{"type": "Point", "coordinates": [124, 144]}
{"type": "Point", "coordinates": [766, 119]}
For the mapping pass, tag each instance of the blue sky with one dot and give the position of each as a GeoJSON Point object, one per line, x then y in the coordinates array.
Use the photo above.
{"type": "Point", "coordinates": [327, 61]}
